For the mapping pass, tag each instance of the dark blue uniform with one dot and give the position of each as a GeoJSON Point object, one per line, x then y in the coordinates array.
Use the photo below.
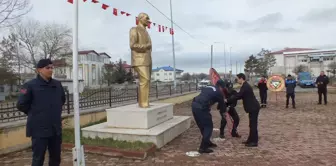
{"type": "Point", "coordinates": [201, 107]}
{"type": "Point", "coordinates": [42, 101]}
{"type": "Point", "coordinates": [290, 91]}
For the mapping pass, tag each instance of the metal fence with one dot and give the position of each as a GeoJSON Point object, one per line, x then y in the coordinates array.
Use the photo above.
{"type": "Point", "coordinates": [100, 98]}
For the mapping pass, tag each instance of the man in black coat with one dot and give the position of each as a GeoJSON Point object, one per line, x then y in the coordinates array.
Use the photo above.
{"type": "Point", "coordinates": [251, 106]}
{"type": "Point", "coordinates": [42, 99]}
{"type": "Point", "coordinates": [322, 81]}
{"type": "Point", "coordinates": [262, 86]}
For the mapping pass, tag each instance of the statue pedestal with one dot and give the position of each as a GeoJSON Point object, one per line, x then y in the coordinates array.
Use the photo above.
{"type": "Point", "coordinates": [132, 123]}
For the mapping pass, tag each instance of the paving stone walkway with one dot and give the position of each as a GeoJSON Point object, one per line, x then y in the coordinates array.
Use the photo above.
{"type": "Point", "coordinates": [305, 136]}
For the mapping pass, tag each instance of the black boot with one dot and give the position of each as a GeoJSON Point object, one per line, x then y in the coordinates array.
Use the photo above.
{"type": "Point", "coordinates": [212, 145]}
{"type": "Point", "coordinates": [251, 144]}
{"type": "Point", "coordinates": [205, 151]}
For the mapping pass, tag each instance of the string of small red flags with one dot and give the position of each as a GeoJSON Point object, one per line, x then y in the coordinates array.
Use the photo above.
{"type": "Point", "coordinates": [116, 12]}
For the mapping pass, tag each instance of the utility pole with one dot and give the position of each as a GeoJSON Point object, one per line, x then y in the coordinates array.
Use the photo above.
{"type": "Point", "coordinates": [236, 67]}
{"type": "Point", "coordinates": [211, 56]}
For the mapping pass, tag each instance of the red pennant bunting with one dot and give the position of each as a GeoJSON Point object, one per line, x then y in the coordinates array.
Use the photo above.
{"type": "Point", "coordinates": [115, 11]}
{"type": "Point", "coordinates": [171, 31]}
{"type": "Point", "coordinates": [104, 6]}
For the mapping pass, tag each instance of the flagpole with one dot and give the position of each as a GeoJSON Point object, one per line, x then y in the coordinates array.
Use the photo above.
{"type": "Point", "coordinates": [173, 42]}
{"type": "Point", "coordinates": [77, 159]}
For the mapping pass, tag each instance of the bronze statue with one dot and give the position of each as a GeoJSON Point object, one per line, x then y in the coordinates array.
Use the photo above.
{"type": "Point", "coordinates": [141, 46]}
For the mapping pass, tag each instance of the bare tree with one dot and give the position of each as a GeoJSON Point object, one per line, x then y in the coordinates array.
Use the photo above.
{"type": "Point", "coordinates": [39, 41]}
{"type": "Point", "coordinates": [11, 11]}
{"type": "Point", "coordinates": [332, 67]}
{"type": "Point", "coordinates": [29, 36]}
{"type": "Point", "coordinates": [56, 40]}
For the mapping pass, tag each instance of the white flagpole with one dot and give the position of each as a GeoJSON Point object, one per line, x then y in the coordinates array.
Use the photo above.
{"type": "Point", "coordinates": [173, 42]}
{"type": "Point", "coordinates": [77, 154]}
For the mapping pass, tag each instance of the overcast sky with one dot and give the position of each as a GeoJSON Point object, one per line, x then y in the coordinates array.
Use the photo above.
{"type": "Point", "coordinates": [245, 25]}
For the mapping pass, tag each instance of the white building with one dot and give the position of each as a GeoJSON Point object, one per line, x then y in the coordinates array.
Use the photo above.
{"type": "Point", "coordinates": [90, 66]}
{"type": "Point", "coordinates": [166, 74]}
{"type": "Point", "coordinates": [315, 60]}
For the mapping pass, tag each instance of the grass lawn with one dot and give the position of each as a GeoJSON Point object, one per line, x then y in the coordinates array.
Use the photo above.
{"type": "Point", "coordinates": [69, 137]}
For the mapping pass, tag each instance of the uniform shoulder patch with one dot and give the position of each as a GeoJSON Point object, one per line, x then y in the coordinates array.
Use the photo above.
{"type": "Point", "coordinates": [23, 91]}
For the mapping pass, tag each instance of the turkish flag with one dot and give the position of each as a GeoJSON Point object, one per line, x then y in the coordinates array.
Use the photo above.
{"type": "Point", "coordinates": [115, 11]}
{"type": "Point", "coordinates": [122, 12]}
{"type": "Point", "coordinates": [95, 1]}
{"type": "Point", "coordinates": [104, 6]}
{"type": "Point", "coordinates": [159, 28]}
{"type": "Point", "coordinates": [127, 14]}
{"type": "Point", "coordinates": [136, 21]}
{"type": "Point", "coordinates": [171, 31]}
{"type": "Point", "coordinates": [149, 25]}
{"type": "Point", "coordinates": [70, 1]}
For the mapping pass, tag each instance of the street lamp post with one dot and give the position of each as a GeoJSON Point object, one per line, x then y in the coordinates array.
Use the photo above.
{"type": "Point", "coordinates": [224, 61]}
{"type": "Point", "coordinates": [230, 60]}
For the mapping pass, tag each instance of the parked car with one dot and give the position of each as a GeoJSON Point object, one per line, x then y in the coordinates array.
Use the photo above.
{"type": "Point", "coordinates": [203, 83]}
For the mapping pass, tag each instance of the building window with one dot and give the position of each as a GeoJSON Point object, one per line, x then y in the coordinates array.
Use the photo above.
{"type": "Point", "coordinates": [170, 74]}
{"type": "Point", "coordinates": [2, 89]}
{"type": "Point", "coordinates": [328, 59]}
{"type": "Point", "coordinates": [304, 60]}
{"type": "Point", "coordinates": [165, 74]}
{"type": "Point", "coordinates": [157, 74]}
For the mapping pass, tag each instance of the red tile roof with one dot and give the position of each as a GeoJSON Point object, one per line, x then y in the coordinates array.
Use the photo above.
{"type": "Point", "coordinates": [104, 53]}
{"type": "Point", "coordinates": [291, 50]}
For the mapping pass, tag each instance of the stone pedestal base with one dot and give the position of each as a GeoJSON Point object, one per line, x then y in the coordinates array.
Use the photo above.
{"type": "Point", "coordinates": [131, 123]}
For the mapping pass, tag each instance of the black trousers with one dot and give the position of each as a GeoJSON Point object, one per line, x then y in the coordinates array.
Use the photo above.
{"type": "Point", "coordinates": [203, 120]}
{"type": "Point", "coordinates": [39, 147]}
{"type": "Point", "coordinates": [292, 96]}
{"type": "Point", "coordinates": [324, 93]}
{"type": "Point", "coordinates": [235, 117]}
{"type": "Point", "coordinates": [253, 123]}
{"type": "Point", "coordinates": [263, 97]}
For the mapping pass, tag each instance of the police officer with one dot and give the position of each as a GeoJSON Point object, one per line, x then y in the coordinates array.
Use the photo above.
{"type": "Point", "coordinates": [262, 86]}
{"type": "Point", "coordinates": [229, 91]}
{"type": "Point", "coordinates": [290, 90]}
{"type": "Point", "coordinates": [201, 107]}
{"type": "Point", "coordinates": [322, 81]}
{"type": "Point", "coordinates": [251, 106]}
{"type": "Point", "coordinates": [42, 99]}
